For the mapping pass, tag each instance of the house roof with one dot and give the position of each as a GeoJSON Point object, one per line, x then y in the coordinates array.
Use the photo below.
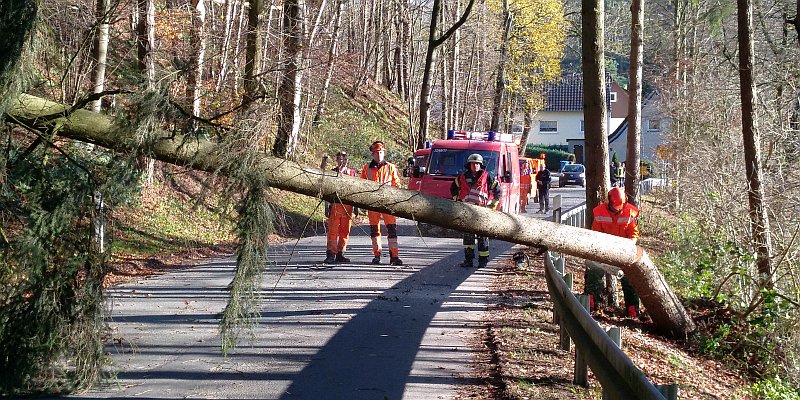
{"type": "Point", "coordinates": [567, 95]}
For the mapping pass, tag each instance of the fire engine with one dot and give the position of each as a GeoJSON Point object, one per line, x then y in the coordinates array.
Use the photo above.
{"type": "Point", "coordinates": [447, 157]}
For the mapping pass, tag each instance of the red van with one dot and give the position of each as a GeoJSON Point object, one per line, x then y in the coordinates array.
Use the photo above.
{"type": "Point", "coordinates": [447, 158]}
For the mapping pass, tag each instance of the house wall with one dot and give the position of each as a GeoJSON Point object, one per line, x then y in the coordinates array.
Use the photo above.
{"type": "Point", "coordinates": [654, 126]}
{"type": "Point", "coordinates": [569, 127]}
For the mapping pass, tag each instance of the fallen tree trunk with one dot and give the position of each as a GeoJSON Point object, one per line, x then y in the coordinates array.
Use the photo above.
{"type": "Point", "coordinates": [667, 312]}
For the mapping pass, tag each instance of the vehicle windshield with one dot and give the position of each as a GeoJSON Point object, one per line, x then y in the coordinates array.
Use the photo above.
{"type": "Point", "coordinates": [450, 162]}
{"type": "Point", "coordinates": [573, 168]}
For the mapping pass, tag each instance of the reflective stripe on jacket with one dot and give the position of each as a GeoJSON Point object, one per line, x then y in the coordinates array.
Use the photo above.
{"type": "Point", "coordinates": [624, 224]}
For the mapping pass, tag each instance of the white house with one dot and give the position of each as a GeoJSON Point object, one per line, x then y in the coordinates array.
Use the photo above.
{"type": "Point", "coordinates": [654, 124]}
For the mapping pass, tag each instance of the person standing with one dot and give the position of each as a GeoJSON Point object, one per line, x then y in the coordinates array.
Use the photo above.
{"type": "Point", "coordinates": [476, 186]}
{"type": "Point", "coordinates": [616, 217]}
{"type": "Point", "coordinates": [340, 219]}
{"type": "Point", "coordinates": [543, 189]}
{"type": "Point", "coordinates": [525, 173]}
{"type": "Point", "coordinates": [381, 171]}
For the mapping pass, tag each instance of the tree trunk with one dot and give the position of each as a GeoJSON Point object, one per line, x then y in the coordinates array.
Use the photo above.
{"type": "Point", "coordinates": [198, 51]}
{"type": "Point", "coordinates": [594, 100]}
{"type": "Point", "coordinates": [669, 315]}
{"type": "Point", "coordinates": [632, 174]}
{"type": "Point", "coordinates": [145, 40]}
{"type": "Point", "coordinates": [323, 97]}
{"type": "Point", "coordinates": [253, 51]}
{"type": "Point", "coordinates": [752, 147]}
{"type": "Point", "coordinates": [100, 52]}
{"type": "Point", "coordinates": [289, 90]}
{"type": "Point", "coordinates": [500, 84]}
{"type": "Point", "coordinates": [425, 90]}
{"type": "Point", "coordinates": [526, 132]}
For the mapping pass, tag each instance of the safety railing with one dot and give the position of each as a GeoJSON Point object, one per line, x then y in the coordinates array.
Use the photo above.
{"type": "Point", "coordinates": [617, 374]}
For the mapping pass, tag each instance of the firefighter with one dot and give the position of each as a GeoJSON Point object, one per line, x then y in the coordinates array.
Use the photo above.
{"type": "Point", "coordinates": [524, 185]}
{"type": "Point", "coordinates": [476, 186]}
{"type": "Point", "coordinates": [340, 219]}
{"type": "Point", "coordinates": [379, 170]}
{"type": "Point", "coordinates": [616, 217]}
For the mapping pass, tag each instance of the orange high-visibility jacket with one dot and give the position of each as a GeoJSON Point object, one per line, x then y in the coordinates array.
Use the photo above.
{"type": "Point", "coordinates": [624, 224]}
{"type": "Point", "coordinates": [386, 173]}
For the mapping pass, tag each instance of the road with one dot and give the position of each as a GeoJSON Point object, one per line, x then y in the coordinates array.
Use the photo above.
{"type": "Point", "coordinates": [356, 331]}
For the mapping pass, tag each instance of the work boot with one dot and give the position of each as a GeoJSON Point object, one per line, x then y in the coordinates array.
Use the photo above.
{"type": "Point", "coordinates": [342, 259]}
{"type": "Point", "coordinates": [467, 263]}
{"type": "Point", "coordinates": [330, 259]}
{"type": "Point", "coordinates": [376, 260]}
{"type": "Point", "coordinates": [395, 261]}
{"type": "Point", "coordinates": [482, 261]}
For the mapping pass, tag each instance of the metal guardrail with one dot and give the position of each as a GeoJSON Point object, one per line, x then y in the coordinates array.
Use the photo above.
{"type": "Point", "coordinates": [620, 378]}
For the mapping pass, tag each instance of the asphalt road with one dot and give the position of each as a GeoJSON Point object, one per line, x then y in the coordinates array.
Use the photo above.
{"type": "Point", "coordinates": [356, 331]}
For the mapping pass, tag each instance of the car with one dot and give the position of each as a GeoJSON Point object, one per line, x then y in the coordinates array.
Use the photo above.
{"type": "Point", "coordinates": [572, 174]}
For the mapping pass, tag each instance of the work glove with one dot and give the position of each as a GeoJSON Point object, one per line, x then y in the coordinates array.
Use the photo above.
{"type": "Point", "coordinates": [493, 205]}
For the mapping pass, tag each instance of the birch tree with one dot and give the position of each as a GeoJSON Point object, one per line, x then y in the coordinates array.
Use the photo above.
{"type": "Point", "coordinates": [100, 51]}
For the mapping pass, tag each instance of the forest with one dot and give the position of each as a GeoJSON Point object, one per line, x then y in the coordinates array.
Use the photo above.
{"type": "Point", "coordinates": [300, 79]}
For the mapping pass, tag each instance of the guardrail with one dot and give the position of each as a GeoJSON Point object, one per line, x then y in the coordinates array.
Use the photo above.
{"type": "Point", "coordinates": [618, 376]}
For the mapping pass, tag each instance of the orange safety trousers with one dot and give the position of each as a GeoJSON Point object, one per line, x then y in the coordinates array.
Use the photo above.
{"type": "Point", "coordinates": [375, 232]}
{"type": "Point", "coordinates": [340, 221]}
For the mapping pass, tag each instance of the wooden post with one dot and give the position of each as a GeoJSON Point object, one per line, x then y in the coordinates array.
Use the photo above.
{"type": "Point", "coordinates": [581, 369]}
{"type": "Point", "coordinates": [616, 336]}
{"type": "Point", "coordinates": [564, 341]}
{"type": "Point", "coordinates": [558, 264]}
{"type": "Point", "coordinates": [669, 391]}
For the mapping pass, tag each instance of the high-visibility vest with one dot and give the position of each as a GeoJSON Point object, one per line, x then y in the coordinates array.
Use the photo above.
{"type": "Point", "coordinates": [625, 224]}
{"type": "Point", "coordinates": [383, 173]}
{"type": "Point", "coordinates": [477, 193]}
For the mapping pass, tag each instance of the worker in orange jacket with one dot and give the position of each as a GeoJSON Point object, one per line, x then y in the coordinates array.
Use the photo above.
{"type": "Point", "coordinates": [379, 170]}
{"type": "Point", "coordinates": [524, 184]}
{"type": "Point", "coordinates": [616, 217]}
{"type": "Point", "coordinates": [340, 219]}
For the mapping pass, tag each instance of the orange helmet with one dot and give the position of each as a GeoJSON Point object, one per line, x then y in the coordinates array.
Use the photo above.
{"type": "Point", "coordinates": [616, 198]}
{"type": "Point", "coordinates": [376, 146]}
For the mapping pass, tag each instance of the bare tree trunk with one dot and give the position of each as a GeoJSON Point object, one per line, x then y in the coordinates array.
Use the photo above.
{"type": "Point", "coordinates": [632, 173]}
{"type": "Point", "coordinates": [526, 132]}
{"type": "Point", "coordinates": [289, 90]}
{"type": "Point", "coordinates": [331, 64]}
{"type": "Point", "coordinates": [198, 51]}
{"type": "Point", "coordinates": [500, 84]}
{"type": "Point", "coordinates": [145, 40]}
{"type": "Point", "coordinates": [668, 314]}
{"type": "Point", "coordinates": [594, 100]}
{"type": "Point", "coordinates": [100, 51]}
{"type": "Point", "coordinates": [230, 16]}
{"type": "Point", "coordinates": [752, 147]}
{"type": "Point", "coordinates": [433, 43]}
{"type": "Point", "coordinates": [253, 53]}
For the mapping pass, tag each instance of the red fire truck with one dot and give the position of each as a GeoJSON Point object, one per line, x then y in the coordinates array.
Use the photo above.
{"type": "Point", "coordinates": [447, 158]}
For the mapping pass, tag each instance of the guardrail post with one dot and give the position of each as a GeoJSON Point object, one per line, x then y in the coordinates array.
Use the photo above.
{"type": "Point", "coordinates": [564, 341]}
{"type": "Point", "coordinates": [558, 264]}
{"type": "Point", "coordinates": [581, 369]}
{"type": "Point", "coordinates": [669, 391]}
{"type": "Point", "coordinates": [616, 336]}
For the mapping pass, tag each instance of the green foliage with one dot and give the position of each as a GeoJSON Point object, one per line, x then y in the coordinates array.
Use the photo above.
{"type": "Point", "coordinates": [553, 154]}
{"type": "Point", "coordinates": [774, 389]}
{"type": "Point", "coordinates": [51, 315]}
{"type": "Point", "coordinates": [17, 18]}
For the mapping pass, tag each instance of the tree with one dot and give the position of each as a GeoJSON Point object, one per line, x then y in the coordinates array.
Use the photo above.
{"type": "Point", "coordinates": [100, 51]}
{"type": "Point", "coordinates": [291, 76]}
{"type": "Point", "coordinates": [759, 221]}
{"type": "Point", "coordinates": [433, 43]}
{"type": "Point", "coordinates": [500, 83]}
{"type": "Point", "coordinates": [253, 52]}
{"type": "Point", "coordinates": [198, 51]}
{"type": "Point", "coordinates": [668, 314]}
{"type": "Point", "coordinates": [632, 174]}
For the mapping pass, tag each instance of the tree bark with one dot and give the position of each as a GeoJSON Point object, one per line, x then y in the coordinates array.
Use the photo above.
{"type": "Point", "coordinates": [433, 43]}
{"type": "Point", "coordinates": [632, 174]}
{"type": "Point", "coordinates": [594, 100]}
{"type": "Point", "coordinates": [752, 146]}
{"type": "Point", "coordinates": [145, 40]}
{"type": "Point", "coordinates": [500, 83]}
{"type": "Point", "coordinates": [323, 97]}
{"type": "Point", "coordinates": [253, 51]}
{"type": "Point", "coordinates": [291, 77]}
{"type": "Point", "coordinates": [667, 312]}
{"type": "Point", "coordinates": [100, 52]}
{"type": "Point", "coordinates": [198, 53]}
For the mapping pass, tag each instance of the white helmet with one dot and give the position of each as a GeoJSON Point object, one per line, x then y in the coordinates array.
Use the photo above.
{"type": "Point", "coordinates": [474, 158]}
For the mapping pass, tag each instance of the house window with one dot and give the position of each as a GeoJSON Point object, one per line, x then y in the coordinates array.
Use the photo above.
{"type": "Point", "coordinates": [581, 126]}
{"type": "Point", "coordinates": [613, 97]}
{"type": "Point", "coordinates": [653, 125]}
{"type": "Point", "coordinates": [548, 126]}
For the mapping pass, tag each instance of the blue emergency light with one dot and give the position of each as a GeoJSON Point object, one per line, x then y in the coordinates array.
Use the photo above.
{"type": "Point", "coordinates": [491, 136]}
{"type": "Point", "coordinates": [451, 133]}
{"type": "Point", "coordinates": [428, 144]}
